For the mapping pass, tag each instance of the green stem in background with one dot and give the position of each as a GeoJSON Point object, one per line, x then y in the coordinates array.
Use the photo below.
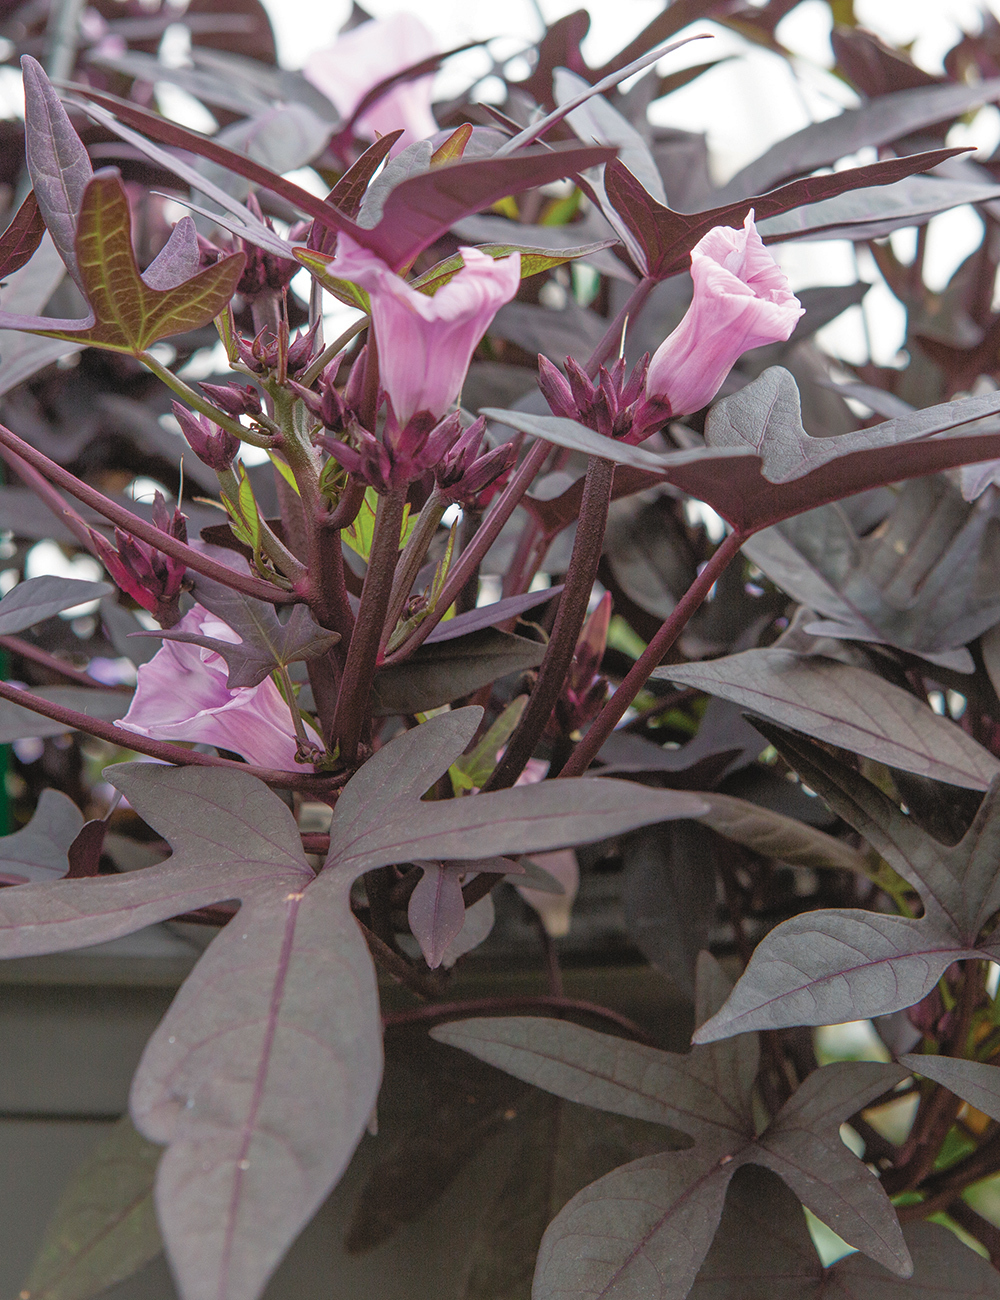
{"type": "Point", "coordinates": [413, 556]}
{"type": "Point", "coordinates": [131, 523]}
{"type": "Point", "coordinates": [639, 673]}
{"type": "Point", "coordinates": [582, 571]}
{"type": "Point", "coordinates": [203, 406]}
{"type": "Point", "coordinates": [309, 376]}
{"type": "Point", "coordinates": [275, 550]}
{"type": "Point", "coordinates": [288, 691]}
{"type": "Point", "coordinates": [469, 560]}
{"type": "Point", "coordinates": [353, 697]}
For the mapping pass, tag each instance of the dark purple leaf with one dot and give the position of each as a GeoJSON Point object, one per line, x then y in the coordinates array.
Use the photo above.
{"type": "Point", "coordinates": [845, 706]}
{"type": "Point", "coordinates": [763, 1251]}
{"type": "Point", "coordinates": [669, 897]}
{"type": "Point", "coordinates": [650, 1223]}
{"type": "Point", "coordinates": [415, 214]}
{"type": "Point", "coordinates": [489, 615]}
{"type": "Point", "coordinates": [725, 742]}
{"type": "Point", "coordinates": [977, 1082]}
{"type": "Point", "coordinates": [436, 911]}
{"type": "Point", "coordinates": [104, 1227]}
{"type": "Point", "coordinates": [923, 581]}
{"type": "Point", "coordinates": [58, 163]}
{"type": "Point", "coordinates": [40, 850]}
{"type": "Point", "coordinates": [19, 723]}
{"type": "Point", "coordinates": [20, 240]}
{"type": "Point", "coordinates": [37, 599]}
{"type": "Point", "coordinates": [127, 313]}
{"type": "Point", "coordinates": [873, 213]}
{"type": "Point", "coordinates": [773, 835]}
{"type": "Point", "coordinates": [667, 237]}
{"type": "Point", "coordinates": [787, 471]}
{"type": "Point", "coordinates": [380, 819]}
{"type": "Point", "coordinates": [825, 967]}
{"type": "Point", "coordinates": [882, 120]}
{"type": "Point", "coordinates": [265, 642]}
{"type": "Point", "coordinates": [178, 260]}
{"type": "Point", "coordinates": [450, 669]}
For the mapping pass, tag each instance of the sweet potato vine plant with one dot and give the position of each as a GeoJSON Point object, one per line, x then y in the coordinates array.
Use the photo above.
{"type": "Point", "coordinates": [328, 641]}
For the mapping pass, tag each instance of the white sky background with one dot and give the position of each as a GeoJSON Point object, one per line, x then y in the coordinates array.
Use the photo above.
{"type": "Point", "coordinates": [743, 106]}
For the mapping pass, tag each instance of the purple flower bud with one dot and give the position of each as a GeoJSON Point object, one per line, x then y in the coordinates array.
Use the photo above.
{"type": "Point", "coordinates": [233, 399]}
{"type": "Point", "coordinates": [216, 447]}
{"type": "Point", "coordinates": [154, 580]}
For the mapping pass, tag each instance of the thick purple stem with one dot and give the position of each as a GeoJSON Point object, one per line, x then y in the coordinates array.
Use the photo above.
{"type": "Point", "coordinates": [638, 674]}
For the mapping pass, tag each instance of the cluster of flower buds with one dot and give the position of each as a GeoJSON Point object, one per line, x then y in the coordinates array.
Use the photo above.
{"type": "Point", "coordinates": [337, 410]}
{"type": "Point", "coordinates": [264, 273]}
{"type": "Point", "coordinates": [216, 447]}
{"type": "Point", "coordinates": [607, 406]}
{"type": "Point", "coordinates": [442, 447]}
{"type": "Point", "coordinates": [269, 352]}
{"type": "Point", "coordinates": [152, 579]}
{"type": "Point", "coordinates": [585, 689]}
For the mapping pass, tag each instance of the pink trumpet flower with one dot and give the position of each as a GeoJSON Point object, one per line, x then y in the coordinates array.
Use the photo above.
{"type": "Point", "coordinates": [741, 301]}
{"type": "Point", "coordinates": [367, 55]}
{"type": "Point", "coordinates": [181, 694]}
{"type": "Point", "coordinates": [425, 343]}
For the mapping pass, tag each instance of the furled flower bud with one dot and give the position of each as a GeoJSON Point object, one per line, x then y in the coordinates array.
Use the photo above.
{"type": "Point", "coordinates": [425, 343]}
{"type": "Point", "coordinates": [263, 273]}
{"type": "Point", "coordinates": [216, 447]}
{"type": "Point", "coordinates": [741, 301]}
{"type": "Point", "coordinates": [233, 399]}
{"type": "Point", "coordinates": [462, 473]}
{"type": "Point", "coordinates": [153, 579]}
{"type": "Point", "coordinates": [267, 352]}
{"type": "Point", "coordinates": [607, 407]}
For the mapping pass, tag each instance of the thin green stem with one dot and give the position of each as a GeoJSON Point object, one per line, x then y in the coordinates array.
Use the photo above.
{"type": "Point", "coordinates": [353, 697]}
{"type": "Point", "coordinates": [275, 549]}
{"type": "Point", "coordinates": [573, 604]}
{"type": "Point", "coordinates": [202, 405]}
{"type": "Point", "coordinates": [639, 673]}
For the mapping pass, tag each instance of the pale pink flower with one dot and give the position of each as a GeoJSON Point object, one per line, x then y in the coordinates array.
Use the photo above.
{"type": "Point", "coordinates": [425, 343]}
{"type": "Point", "coordinates": [181, 694]}
{"type": "Point", "coordinates": [741, 301]}
{"type": "Point", "coordinates": [367, 55]}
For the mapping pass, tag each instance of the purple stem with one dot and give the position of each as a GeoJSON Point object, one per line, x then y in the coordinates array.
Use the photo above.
{"type": "Point", "coordinates": [638, 674]}
{"type": "Point", "coordinates": [362, 656]}
{"type": "Point", "coordinates": [471, 558]}
{"type": "Point", "coordinates": [580, 576]}
{"type": "Point", "coordinates": [118, 736]}
{"type": "Point", "coordinates": [131, 523]}
{"type": "Point", "coordinates": [548, 1001]}
{"type": "Point", "coordinates": [42, 657]}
